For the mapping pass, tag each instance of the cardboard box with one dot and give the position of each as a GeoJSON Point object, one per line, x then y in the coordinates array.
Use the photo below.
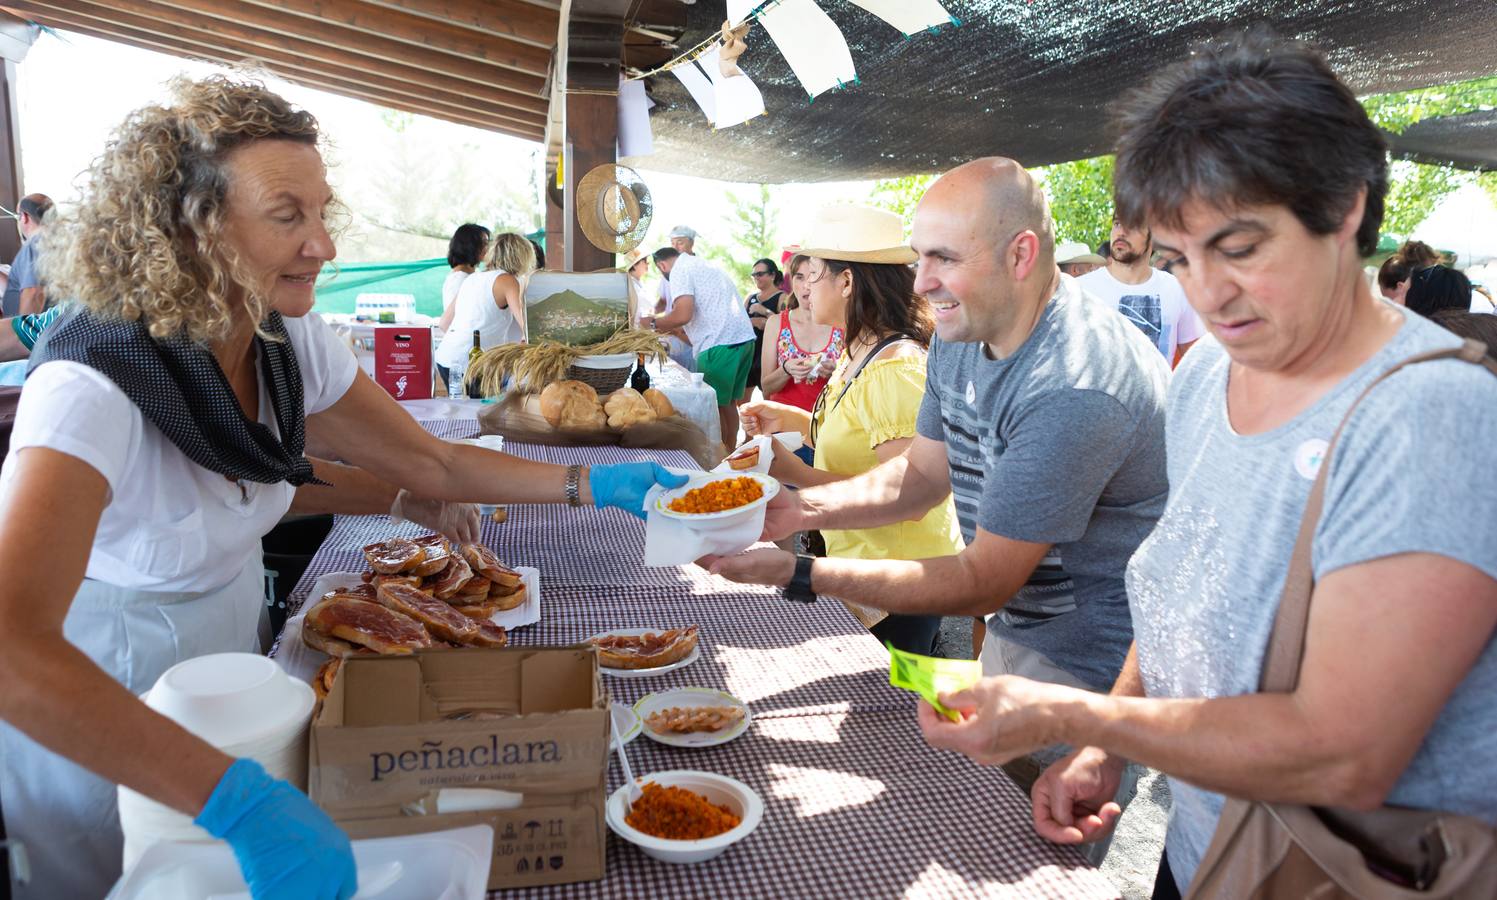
{"type": "Point", "coordinates": [402, 361]}
{"type": "Point", "coordinates": [533, 721]}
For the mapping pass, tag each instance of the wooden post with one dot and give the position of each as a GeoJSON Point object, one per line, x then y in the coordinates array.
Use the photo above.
{"type": "Point", "coordinates": [556, 231]}
{"type": "Point", "coordinates": [595, 44]}
{"type": "Point", "coordinates": [15, 39]}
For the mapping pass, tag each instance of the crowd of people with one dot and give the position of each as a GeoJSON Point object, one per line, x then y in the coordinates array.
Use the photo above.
{"type": "Point", "coordinates": [1104, 457]}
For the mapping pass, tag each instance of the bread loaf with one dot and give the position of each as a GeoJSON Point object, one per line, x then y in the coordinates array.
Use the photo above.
{"type": "Point", "coordinates": [626, 407]}
{"type": "Point", "coordinates": [572, 404]}
{"type": "Point", "coordinates": [660, 403]}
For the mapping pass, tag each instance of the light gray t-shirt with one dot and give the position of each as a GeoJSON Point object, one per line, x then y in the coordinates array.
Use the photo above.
{"type": "Point", "coordinates": [1412, 474]}
{"type": "Point", "coordinates": [1062, 443]}
{"type": "Point", "coordinates": [23, 275]}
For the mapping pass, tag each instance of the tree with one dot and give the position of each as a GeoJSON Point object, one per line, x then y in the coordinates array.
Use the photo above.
{"type": "Point", "coordinates": [752, 233]}
{"type": "Point", "coordinates": [901, 195]}
{"type": "Point", "coordinates": [1080, 194]}
{"type": "Point", "coordinates": [1414, 190]}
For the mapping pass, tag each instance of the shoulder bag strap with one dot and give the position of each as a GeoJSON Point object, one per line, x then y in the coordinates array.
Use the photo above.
{"type": "Point", "coordinates": [1286, 644]}
{"type": "Point", "coordinates": [877, 349]}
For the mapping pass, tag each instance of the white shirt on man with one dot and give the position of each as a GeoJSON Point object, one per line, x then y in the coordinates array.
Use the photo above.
{"type": "Point", "coordinates": [718, 318]}
{"type": "Point", "coordinates": [1157, 306]}
{"type": "Point", "coordinates": [477, 311]}
{"type": "Point", "coordinates": [169, 524]}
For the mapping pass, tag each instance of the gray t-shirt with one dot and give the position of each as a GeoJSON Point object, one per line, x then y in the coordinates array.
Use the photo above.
{"type": "Point", "coordinates": [23, 275]}
{"type": "Point", "coordinates": [1061, 443]}
{"type": "Point", "coordinates": [1411, 474]}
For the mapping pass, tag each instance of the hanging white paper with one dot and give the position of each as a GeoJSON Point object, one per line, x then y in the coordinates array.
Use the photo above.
{"type": "Point", "coordinates": [635, 137]}
{"type": "Point", "coordinates": [812, 44]}
{"type": "Point", "coordinates": [737, 98]}
{"type": "Point", "coordinates": [909, 16]}
{"type": "Point", "coordinates": [699, 87]}
{"type": "Point", "coordinates": [738, 10]}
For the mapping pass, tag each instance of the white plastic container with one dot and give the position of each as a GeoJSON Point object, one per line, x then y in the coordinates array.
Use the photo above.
{"type": "Point", "coordinates": [439, 865]}
{"type": "Point", "coordinates": [720, 789]}
{"type": "Point", "coordinates": [716, 521]}
{"type": "Point", "coordinates": [241, 703]}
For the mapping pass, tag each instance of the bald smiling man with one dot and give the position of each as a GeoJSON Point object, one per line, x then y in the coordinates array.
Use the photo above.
{"type": "Point", "coordinates": [1043, 414]}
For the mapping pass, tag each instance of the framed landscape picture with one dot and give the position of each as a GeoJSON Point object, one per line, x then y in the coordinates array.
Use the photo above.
{"type": "Point", "coordinates": [577, 308]}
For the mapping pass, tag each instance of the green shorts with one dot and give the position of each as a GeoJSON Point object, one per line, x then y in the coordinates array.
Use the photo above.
{"type": "Point", "coordinates": [726, 368]}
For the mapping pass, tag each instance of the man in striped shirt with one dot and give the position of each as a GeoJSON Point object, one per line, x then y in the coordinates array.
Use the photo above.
{"type": "Point", "coordinates": [17, 340]}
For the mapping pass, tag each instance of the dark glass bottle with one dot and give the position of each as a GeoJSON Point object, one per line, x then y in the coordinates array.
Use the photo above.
{"type": "Point", "coordinates": [640, 380]}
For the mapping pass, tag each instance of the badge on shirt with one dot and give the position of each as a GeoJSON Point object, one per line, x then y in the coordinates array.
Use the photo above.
{"type": "Point", "coordinates": [1308, 457]}
{"type": "Point", "coordinates": [971, 394]}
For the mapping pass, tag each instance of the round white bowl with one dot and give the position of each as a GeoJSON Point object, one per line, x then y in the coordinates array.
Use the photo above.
{"type": "Point", "coordinates": [728, 517]}
{"type": "Point", "coordinates": [232, 699]}
{"type": "Point", "coordinates": [729, 792]}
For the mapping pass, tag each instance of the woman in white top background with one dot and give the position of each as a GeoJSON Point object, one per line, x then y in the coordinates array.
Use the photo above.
{"type": "Point", "coordinates": [491, 302]}
{"type": "Point", "coordinates": [161, 433]}
{"type": "Point", "coordinates": [465, 250]}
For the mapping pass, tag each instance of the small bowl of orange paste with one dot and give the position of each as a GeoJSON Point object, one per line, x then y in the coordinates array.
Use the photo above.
{"type": "Point", "coordinates": [717, 498]}
{"type": "Point", "coordinates": [685, 816]}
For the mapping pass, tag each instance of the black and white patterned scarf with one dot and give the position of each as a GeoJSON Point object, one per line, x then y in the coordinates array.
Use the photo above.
{"type": "Point", "coordinates": [180, 387]}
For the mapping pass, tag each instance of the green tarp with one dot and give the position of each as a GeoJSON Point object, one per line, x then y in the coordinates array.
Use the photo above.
{"type": "Point", "coordinates": [339, 286]}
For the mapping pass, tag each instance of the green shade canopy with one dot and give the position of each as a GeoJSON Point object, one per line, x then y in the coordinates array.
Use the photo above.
{"type": "Point", "coordinates": [339, 286]}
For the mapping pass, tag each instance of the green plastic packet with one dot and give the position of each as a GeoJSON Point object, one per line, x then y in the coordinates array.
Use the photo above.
{"type": "Point", "coordinates": [931, 676]}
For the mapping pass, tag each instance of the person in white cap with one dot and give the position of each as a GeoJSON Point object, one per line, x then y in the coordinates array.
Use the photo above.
{"type": "Point", "coordinates": [684, 238]}
{"type": "Point", "coordinates": [1077, 259]}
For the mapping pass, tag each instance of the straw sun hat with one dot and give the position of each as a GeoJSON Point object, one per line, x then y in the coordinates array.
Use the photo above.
{"type": "Point", "coordinates": [614, 208]}
{"type": "Point", "coordinates": [857, 234]}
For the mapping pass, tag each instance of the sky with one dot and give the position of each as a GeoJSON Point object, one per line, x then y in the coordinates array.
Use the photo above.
{"type": "Point", "coordinates": [74, 90]}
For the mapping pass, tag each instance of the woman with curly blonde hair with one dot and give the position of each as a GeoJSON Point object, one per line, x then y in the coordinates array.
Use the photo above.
{"type": "Point", "coordinates": [491, 302]}
{"type": "Point", "coordinates": [162, 432]}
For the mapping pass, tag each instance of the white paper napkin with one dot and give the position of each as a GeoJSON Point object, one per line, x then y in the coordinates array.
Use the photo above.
{"type": "Point", "coordinates": [766, 456]}
{"type": "Point", "coordinates": [672, 542]}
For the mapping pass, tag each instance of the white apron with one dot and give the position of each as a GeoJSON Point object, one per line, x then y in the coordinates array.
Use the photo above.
{"type": "Point", "coordinates": [64, 815]}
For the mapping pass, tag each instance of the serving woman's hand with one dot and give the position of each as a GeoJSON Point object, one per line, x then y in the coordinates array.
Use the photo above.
{"type": "Point", "coordinates": [287, 848]}
{"type": "Point", "coordinates": [458, 521]}
{"type": "Point", "coordinates": [624, 485]}
{"type": "Point", "coordinates": [772, 567]}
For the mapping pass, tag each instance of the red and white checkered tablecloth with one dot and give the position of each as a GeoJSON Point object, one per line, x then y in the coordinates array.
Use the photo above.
{"type": "Point", "coordinates": [857, 805]}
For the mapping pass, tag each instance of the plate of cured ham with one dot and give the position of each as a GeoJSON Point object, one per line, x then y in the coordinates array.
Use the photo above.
{"type": "Point", "coordinates": [693, 717]}
{"type": "Point", "coordinates": [417, 594]}
{"type": "Point", "coordinates": [645, 652]}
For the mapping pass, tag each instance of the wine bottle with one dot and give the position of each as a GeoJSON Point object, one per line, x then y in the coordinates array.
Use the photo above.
{"type": "Point", "coordinates": [473, 357]}
{"type": "Point", "coordinates": [640, 380]}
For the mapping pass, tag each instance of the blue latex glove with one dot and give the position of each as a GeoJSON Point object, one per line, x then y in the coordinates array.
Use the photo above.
{"type": "Point", "coordinates": [623, 486]}
{"type": "Point", "coordinates": [286, 847]}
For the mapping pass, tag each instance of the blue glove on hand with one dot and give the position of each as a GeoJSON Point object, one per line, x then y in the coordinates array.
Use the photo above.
{"type": "Point", "coordinates": [286, 846]}
{"type": "Point", "coordinates": [623, 486]}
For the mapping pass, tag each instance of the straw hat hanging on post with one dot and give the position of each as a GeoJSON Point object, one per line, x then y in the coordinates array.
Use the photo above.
{"type": "Point", "coordinates": [614, 208]}
{"type": "Point", "coordinates": [857, 234]}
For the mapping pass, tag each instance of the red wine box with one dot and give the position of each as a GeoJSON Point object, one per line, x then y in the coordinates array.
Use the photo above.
{"type": "Point", "coordinates": [402, 361]}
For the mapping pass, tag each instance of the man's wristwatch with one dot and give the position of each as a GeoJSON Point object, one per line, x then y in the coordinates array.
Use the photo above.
{"type": "Point", "coordinates": [799, 588]}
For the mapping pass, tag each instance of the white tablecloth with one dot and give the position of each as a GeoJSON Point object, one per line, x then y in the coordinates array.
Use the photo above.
{"type": "Point", "coordinates": [691, 397]}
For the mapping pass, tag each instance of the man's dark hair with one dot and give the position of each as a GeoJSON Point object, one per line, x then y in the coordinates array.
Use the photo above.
{"type": "Point", "coordinates": [771, 265]}
{"type": "Point", "coordinates": [1253, 120]}
{"type": "Point", "coordinates": [465, 248]}
{"type": "Point", "coordinates": [665, 253]}
{"type": "Point", "coordinates": [540, 254]}
{"type": "Point", "coordinates": [1394, 270]}
{"type": "Point", "coordinates": [883, 302]}
{"type": "Point", "coordinates": [37, 206]}
{"type": "Point", "coordinates": [1104, 249]}
{"type": "Point", "coordinates": [1435, 288]}
{"type": "Point", "coordinates": [1473, 326]}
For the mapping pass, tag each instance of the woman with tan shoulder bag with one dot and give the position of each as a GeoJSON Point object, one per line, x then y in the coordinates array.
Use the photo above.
{"type": "Point", "coordinates": [1314, 665]}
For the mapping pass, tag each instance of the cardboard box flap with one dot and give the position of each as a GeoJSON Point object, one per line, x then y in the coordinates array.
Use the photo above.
{"type": "Point", "coordinates": [551, 682]}
{"type": "Point", "coordinates": [389, 694]}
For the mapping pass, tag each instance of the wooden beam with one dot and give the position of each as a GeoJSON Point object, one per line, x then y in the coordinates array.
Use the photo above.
{"type": "Point", "coordinates": [595, 43]}
{"type": "Point", "coordinates": [353, 15]}
{"type": "Point", "coordinates": [463, 79]}
{"type": "Point", "coordinates": [85, 13]}
{"type": "Point", "coordinates": [516, 19]}
{"type": "Point", "coordinates": [327, 41]}
{"type": "Point", "coordinates": [11, 187]}
{"type": "Point", "coordinates": [332, 86]}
